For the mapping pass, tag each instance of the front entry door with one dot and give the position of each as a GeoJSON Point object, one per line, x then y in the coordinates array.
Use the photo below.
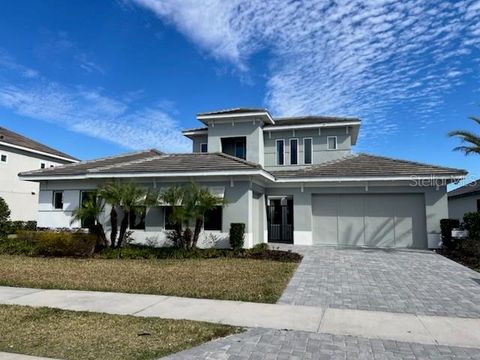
{"type": "Point", "coordinates": [280, 220]}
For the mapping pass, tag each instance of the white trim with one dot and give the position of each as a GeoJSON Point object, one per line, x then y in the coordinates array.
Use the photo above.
{"type": "Point", "coordinates": [227, 116]}
{"type": "Point", "coordinates": [328, 142]}
{"type": "Point", "coordinates": [38, 152]}
{"type": "Point", "coordinates": [276, 151]}
{"type": "Point", "coordinates": [311, 150]}
{"type": "Point", "coordinates": [148, 175]}
{"type": "Point", "coordinates": [195, 132]}
{"type": "Point", "coordinates": [310, 126]}
{"type": "Point", "coordinates": [201, 144]}
{"type": "Point", "coordinates": [298, 150]}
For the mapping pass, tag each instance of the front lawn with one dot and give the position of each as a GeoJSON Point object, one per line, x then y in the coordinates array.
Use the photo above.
{"type": "Point", "coordinates": [219, 278]}
{"type": "Point", "coordinates": [78, 335]}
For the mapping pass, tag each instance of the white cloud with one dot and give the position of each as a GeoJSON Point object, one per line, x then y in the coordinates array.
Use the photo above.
{"type": "Point", "coordinates": [343, 57]}
{"type": "Point", "coordinates": [95, 114]}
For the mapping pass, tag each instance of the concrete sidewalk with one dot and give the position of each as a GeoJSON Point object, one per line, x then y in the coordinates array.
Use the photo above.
{"type": "Point", "coordinates": [12, 356]}
{"type": "Point", "coordinates": [449, 331]}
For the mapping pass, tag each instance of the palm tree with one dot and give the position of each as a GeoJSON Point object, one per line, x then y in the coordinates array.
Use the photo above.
{"type": "Point", "coordinates": [92, 210]}
{"type": "Point", "coordinates": [467, 137]}
{"type": "Point", "coordinates": [112, 194]}
{"type": "Point", "coordinates": [173, 197]}
{"type": "Point", "coordinates": [132, 199]}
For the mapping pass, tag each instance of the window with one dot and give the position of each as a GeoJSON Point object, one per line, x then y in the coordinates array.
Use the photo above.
{"type": "Point", "coordinates": [42, 165]}
{"type": "Point", "coordinates": [203, 147]}
{"type": "Point", "coordinates": [58, 200]}
{"type": "Point", "coordinates": [85, 197]}
{"type": "Point", "coordinates": [169, 225]}
{"type": "Point", "coordinates": [241, 150]}
{"type": "Point", "coordinates": [280, 152]}
{"type": "Point", "coordinates": [293, 151]}
{"type": "Point", "coordinates": [3, 158]}
{"type": "Point", "coordinates": [137, 218]}
{"type": "Point", "coordinates": [307, 150]}
{"type": "Point", "coordinates": [332, 143]}
{"type": "Point", "coordinates": [213, 219]}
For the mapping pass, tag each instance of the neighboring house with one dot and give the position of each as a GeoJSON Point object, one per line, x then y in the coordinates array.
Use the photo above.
{"type": "Point", "coordinates": [292, 180]}
{"type": "Point", "coordinates": [464, 199]}
{"type": "Point", "coordinates": [17, 154]}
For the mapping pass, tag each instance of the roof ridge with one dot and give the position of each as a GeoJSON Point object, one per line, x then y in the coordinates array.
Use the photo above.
{"type": "Point", "coordinates": [231, 157]}
{"type": "Point", "coordinates": [281, 118]}
{"type": "Point", "coordinates": [136, 161]}
{"type": "Point", "coordinates": [413, 162]}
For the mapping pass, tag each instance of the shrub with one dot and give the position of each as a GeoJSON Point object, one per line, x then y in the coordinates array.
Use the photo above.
{"type": "Point", "coordinates": [17, 247]}
{"type": "Point", "coordinates": [472, 224]}
{"type": "Point", "coordinates": [260, 247]}
{"type": "Point", "coordinates": [446, 226]}
{"type": "Point", "coordinates": [4, 217]}
{"type": "Point", "coordinates": [65, 244]}
{"type": "Point", "coordinates": [12, 227]}
{"type": "Point", "coordinates": [237, 235]}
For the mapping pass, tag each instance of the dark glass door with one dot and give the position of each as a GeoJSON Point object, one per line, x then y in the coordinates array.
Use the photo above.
{"type": "Point", "coordinates": [280, 221]}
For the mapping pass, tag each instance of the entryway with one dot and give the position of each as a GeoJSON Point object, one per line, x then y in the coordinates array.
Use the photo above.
{"type": "Point", "coordinates": [280, 219]}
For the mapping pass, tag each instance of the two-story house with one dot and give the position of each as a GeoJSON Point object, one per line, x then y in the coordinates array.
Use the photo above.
{"type": "Point", "coordinates": [292, 180]}
{"type": "Point", "coordinates": [19, 153]}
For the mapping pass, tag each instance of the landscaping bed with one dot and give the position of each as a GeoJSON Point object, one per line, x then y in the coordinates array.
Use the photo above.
{"type": "Point", "coordinates": [79, 335]}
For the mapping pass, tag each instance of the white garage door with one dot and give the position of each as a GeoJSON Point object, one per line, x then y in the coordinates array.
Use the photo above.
{"type": "Point", "coordinates": [374, 220]}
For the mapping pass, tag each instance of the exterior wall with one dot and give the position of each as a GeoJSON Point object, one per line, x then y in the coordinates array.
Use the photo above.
{"type": "Point", "coordinates": [238, 209]}
{"type": "Point", "coordinates": [319, 144]}
{"type": "Point", "coordinates": [197, 141]}
{"type": "Point", "coordinates": [435, 205]}
{"type": "Point", "coordinates": [457, 207]}
{"type": "Point", "coordinates": [251, 129]}
{"type": "Point", "coordinates": [21, 196]}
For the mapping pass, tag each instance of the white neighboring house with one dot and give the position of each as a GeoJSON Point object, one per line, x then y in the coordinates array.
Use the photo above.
{"type": "Point", "coordinates": [19, 153]}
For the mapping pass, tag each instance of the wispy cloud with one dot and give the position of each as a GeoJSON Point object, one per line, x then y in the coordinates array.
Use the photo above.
{"type": "Point", "coordinates": [94, 113]}
{"type": "Point", "coordinates": [8, 63]}
{"type": "Point", "coordinates": [345, 57]}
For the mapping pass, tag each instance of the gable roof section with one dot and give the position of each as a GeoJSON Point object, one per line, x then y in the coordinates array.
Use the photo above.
{"type": "Point", "coordinates": [10, 138]}
{"type": "Point", "coordinates": [232, 111]}
{"type": "Point", "coordinates": [311, 119]}
{"type": "Point", "coordinates": [149, 163]}
{"type": "Point", "coordinates": [472, 188]}
{"type": "Point", "coordinates": [366, 166]}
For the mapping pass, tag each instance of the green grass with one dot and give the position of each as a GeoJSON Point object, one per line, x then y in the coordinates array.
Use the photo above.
{"type": "Point", "coordinates": [78, 335]}
{"type": "Point", "coordinates": [218, 278]}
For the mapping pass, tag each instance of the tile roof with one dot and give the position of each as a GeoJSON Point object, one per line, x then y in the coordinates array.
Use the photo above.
{"type": "Point", "coordinates": [307, 120]}
{"type": "Point", "coordinates": [232, 111]}
{"type": "Point", "coordinates": [10, 137]}
{"type": "Point", "coordinates": [365, 165]}
{"type": "Point", "coordinates": [472, 188]}
{"type": "Point", "coordinates": [148, 161]}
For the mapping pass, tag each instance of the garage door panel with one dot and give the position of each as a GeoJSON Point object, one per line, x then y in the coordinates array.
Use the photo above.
{"type": "Point", "coordinates": [325, 224]}
{"type": "Point", "coordinates": [374, 220]}
{"type": "Point", "coordinates": [379, 221]}
{"type": "Point", "coordinates": [351, 223]}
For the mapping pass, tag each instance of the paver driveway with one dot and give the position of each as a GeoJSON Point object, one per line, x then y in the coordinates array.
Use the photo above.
{"type": "Point", "coordinates": [417, 282]}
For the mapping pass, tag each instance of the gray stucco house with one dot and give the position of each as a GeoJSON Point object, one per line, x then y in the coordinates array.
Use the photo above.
{"type": "Point", "coordinates": [292, 180]}
{"type": "Point", "coordinates": [464, 199]}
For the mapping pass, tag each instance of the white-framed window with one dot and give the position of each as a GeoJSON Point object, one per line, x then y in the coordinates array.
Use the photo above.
{"type": "Point", "coordinates": [203, 147]}
{"type": "Point", "coordinates": [293, 151]}
{"type": "Point", "coordinates": [280, 151]}
{"type": "Point", "coordinates": [307, 150]}
{"type": "Point", "coordinates": [3, 158]}
{"type": "Point", "coordinates": [58, 200]}
{"type": "Point", "coordinates": [43, 165]}
{"type": "Point", "coordinates": [332, 143]}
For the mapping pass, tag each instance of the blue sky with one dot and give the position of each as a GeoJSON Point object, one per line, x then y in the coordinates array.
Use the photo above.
{"type": "Point", "coordinates": [95, 78]}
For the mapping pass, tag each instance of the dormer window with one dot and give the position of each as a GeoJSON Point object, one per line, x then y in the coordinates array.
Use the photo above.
{"type": "Point", "coordinates": [332, 143]}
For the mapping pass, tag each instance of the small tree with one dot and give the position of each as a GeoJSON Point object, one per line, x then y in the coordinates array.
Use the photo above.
{"type": "Point", "coordinates": [132, 198]}
{"type": "Point", "coordinates": [4, 216]}
{"type": "Point", "coordinates": [173, 197]}
{"type": "Point", "coordinates": [112, 194]}
{"type": "Point", "coordinates": [92, 210]}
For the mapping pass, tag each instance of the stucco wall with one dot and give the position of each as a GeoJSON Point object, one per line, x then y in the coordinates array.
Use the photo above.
{"type": "Point", "coordinates": [457, 207]}
{"type": "Point", "coordinates": [197, 141]}
{"type": "Point", "coordinates": [21, 196]}
{"type": "Point", "coordinates": [319, 145]}
{"type": "Point", "coordinates": [238, 196]}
